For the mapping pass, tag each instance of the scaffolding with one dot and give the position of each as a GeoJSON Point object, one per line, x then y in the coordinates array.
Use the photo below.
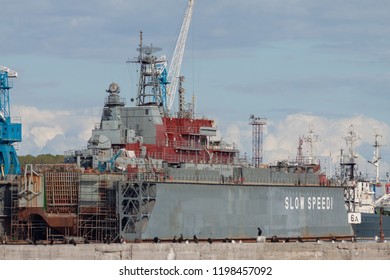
{"type": "Point", "coordinates": [7, 190]}
{"type": "Point", "coordinates": [97, 217]}
{"type": "Point", "coordinates": [21, 229]}
{"type": "Point", "coordinates": [59, 202]}
{"type": "Point", "coordinates": [61, 192]}
{"type": "Point", "coordinates": [44, 205]}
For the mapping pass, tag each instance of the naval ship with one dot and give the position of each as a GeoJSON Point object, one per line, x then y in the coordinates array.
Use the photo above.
{"type": "Point", "coordinates": [150, 174]}
{"type": "Point", "coordinates": [147, 173]}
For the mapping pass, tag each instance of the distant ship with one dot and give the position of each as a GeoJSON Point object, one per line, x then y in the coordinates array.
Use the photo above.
{"type": "Point", "coordinates": [370, 199]}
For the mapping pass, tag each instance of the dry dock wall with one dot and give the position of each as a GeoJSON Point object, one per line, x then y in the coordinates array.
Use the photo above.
{"type": "Point", "coordinates": [203, 251]}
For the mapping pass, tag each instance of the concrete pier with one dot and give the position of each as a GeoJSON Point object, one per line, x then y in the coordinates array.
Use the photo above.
{"type": "Point", "coordinates": [201, 251]}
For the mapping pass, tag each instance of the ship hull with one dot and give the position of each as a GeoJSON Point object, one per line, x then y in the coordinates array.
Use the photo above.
{"type": "Point", "coordinates": [221, 211]}
{"type": "Point", "coordinates": [369, 228]}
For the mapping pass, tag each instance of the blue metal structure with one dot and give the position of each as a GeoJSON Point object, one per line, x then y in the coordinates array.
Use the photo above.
{"type": "Point", "coordinates": [163, 81]}
{"type": "Point", "coordinates": [9, 132]}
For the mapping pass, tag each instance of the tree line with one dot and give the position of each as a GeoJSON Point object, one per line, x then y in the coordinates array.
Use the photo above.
{"type": "Point", "coordinates": [41, 159]}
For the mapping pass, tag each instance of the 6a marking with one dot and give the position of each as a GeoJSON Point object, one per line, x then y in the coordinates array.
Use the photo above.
{"type": "Point", "coordinates": [354, 218]}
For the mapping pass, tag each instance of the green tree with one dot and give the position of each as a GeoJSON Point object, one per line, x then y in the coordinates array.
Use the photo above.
{"type": "Point", "coordinates": [41, 159]}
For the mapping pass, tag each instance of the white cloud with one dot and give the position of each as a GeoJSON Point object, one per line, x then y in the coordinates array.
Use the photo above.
{"type": "Point", "coordinates": [281, 139]}
{"type": "Point", "coordinates": [42, 134]}
{"type": "Point", "coordinates": [53, 131]}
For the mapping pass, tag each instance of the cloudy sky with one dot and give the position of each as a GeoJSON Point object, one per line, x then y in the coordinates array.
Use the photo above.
{"type": "Point", "coordinates": [298, 63]}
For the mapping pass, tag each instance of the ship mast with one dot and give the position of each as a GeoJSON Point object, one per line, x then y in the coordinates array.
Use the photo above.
{"type": "Point", "coordinates": [310, 140]}
{"type": "Point", "coordinates": [376, 158]}
{"type": "Point", "coordinates": [150, 92]}
{"type": "Point", "coordinates": [299, 158]}
{"type": "Point", "coordinates": [347, 162]}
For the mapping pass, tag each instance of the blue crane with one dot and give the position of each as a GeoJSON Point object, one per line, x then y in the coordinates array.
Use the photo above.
{"type": "Point", "coordinates": [9, 132]}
